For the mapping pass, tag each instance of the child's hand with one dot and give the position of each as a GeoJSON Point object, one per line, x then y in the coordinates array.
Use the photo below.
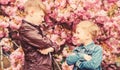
{"type": "Point", "coordinates": [87, 57]}
{"type": "Point", "coordinates": [46, 51]}
{"type": "Point", "coordinates": [65, 66]}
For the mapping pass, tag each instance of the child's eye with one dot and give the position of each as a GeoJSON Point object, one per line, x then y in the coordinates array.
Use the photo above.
{"type": "Point", "coordinates": [42, 15]}
{"type": "Point", "coordinates": [77, 32]}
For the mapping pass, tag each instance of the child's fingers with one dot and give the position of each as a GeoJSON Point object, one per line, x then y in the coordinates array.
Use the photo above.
{"type": "Point", "coordinates": [43, 52]}
{"type": "Point", "coordinates": [87, 57]}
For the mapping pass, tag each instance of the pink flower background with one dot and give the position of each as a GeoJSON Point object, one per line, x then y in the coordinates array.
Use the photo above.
{"type": "Point", "coordinates": [61, 18]}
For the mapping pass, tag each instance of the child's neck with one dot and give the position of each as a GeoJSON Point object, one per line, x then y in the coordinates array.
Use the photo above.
{"type": "Point", "coordinates": [87, 42]}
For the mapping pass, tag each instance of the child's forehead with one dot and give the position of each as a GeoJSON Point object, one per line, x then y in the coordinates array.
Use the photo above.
{"type": "Point", "coordinates": [80, 30]}
{"type": "Point", "coordinates": [32, 4]}
{"type": "Point", "coordinates": [84, 24]}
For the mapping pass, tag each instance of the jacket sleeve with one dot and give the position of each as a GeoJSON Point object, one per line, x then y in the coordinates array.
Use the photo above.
{"type": "Point", "coordinates": [94, 63]}
{"type": "Point", "coordinates": [74, 57]}
{"type": "Point", "coordinates": [31, 35]}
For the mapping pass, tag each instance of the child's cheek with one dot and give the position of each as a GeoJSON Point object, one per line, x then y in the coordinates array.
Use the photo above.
{"type": "Point", "coordinates": [74, 40]}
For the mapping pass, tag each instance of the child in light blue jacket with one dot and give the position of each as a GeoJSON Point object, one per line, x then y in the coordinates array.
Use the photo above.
{"type": "Point", "coordinates": [88, 56]}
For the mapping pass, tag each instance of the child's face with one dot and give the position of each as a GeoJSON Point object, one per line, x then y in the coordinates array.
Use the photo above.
{"type": "Point", "coordinates": [36, 16]}
{"type": "Point", "coordinates": [79, 36]}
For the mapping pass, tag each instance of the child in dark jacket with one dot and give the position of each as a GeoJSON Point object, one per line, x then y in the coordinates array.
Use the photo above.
{"type": "Point", "coordinates": [36, 46]}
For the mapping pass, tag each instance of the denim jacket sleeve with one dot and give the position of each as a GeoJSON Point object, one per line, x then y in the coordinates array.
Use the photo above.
{"type": "Point", "coordinates": [94, 63]}
{"type": "Point", "coordinates": [74, 57]}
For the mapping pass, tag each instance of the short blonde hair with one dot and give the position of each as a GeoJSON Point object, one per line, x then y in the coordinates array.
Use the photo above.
{"type": "Point", "coordinates": [35, 5]}
{"type": "Point", "coordinates": [90, 27]}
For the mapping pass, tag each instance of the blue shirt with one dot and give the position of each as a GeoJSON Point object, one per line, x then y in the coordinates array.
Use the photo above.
{"type": "Point", "coordinates": [95, 51]}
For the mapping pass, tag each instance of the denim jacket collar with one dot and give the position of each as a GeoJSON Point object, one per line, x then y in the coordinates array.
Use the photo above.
{"type": "Point", "coordinates": [89, 45]}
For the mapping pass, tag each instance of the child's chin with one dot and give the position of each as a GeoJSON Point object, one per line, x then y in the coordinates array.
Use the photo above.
{"type": "Point", "coordinates": [75, 43]}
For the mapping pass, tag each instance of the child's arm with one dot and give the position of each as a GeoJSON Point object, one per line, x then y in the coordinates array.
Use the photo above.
{"type": "Point", "coordinates": [73, 58]}
{"type": "Point", "coordinates": [94, 62]}
{"type": "Point", "coordinates": [31, 35]}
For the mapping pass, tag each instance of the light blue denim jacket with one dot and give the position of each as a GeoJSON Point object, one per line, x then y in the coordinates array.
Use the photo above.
{"type": "Point", "coordinates": [80, 63]}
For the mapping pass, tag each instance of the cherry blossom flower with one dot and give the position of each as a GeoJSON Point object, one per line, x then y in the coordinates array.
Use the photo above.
{"type": "Point", "coordinates": [4, 24]}
{"type": "Point", "coordinates": [6, 44]}
{"type": "Point", "coordinates": [4, 1]}
{"type": "Point", "coordinates": [118, 3]}
{"type": "Point", "coordinates": [112, 1]}
{"type": "Point", "coordinates": [17, 57]}
{"type": "Point", "coordinates": [8, 10]}
{"type": "Point", "coordinates": [1, 34]}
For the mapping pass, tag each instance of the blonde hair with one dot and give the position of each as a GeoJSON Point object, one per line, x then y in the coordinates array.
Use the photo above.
{"type": "Point", "coordinates": [90, 27]}
{"type": "Point", "coordinates": [35, 5]}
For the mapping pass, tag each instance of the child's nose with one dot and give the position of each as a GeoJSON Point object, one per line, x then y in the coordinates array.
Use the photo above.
{"type": "Point", "coordinates": [74, 35]}
{"type": "Point", "coordinates": [74, 38]}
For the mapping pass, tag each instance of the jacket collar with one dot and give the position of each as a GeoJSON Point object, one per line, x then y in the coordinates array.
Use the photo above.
{"type": "Point", "coordinates": [88, 46]}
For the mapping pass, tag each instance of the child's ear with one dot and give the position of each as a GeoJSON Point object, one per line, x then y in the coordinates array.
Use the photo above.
{"type": "Point", "coordinates": [89, 35]}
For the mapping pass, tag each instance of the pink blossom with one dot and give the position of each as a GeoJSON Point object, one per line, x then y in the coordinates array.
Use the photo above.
{"type": "Point", "coordinates": [63, 35]}
{"type": "Point", "coordinates": [1, 34]}
{"type": "Point", "coordinates": [61, 42]}
{"type": "Point", "coordinates": [91, 13]}
{"type": "Point", "coordinates": [101, 13]}
{"type": "Point", "coordinates": [17, 57]}
{"type": "Point", "coordinates": [116, 18]}
{"type": "Point", "coordinates": [4, 32]}
{"type": "Point", "coordinates": [118, 3]}
{"type": "Point", "coordinates": [20, 3]}
{"type": "Point", "coordinates": [107, 5]}
{"type": "Point", "coordinates": [8, 10]}
{"type": "Point", "coordinates": [74, 39]}
{"type": "Point", "coordinates": [92, 4]}
{"type": "Point", "coordinates": [112, 1]}
{"type": "Point", "coordinates": [91, 1]}
{"type": "Point", "coordinates": [6, 43]}
{"type": "Point", "coordinates": [101, 19]}
{"type": "Point", "coordinates": [5, 48]}
{"type": "Point", "coordinates": [12, 1]}
{"type": "Point", "coordinates": [4, 24]}
{"type": "Point", "coordinates": [108, 24]}
{"type": "Point", "coordinates": [63, 3]}
{"type": "Point", "coordinates": [79, 8]}
{"type": "Point", "coordinates": [4, 1]}
{"type": "Point", "coordinates": [57, 3]}
{"type": "Point", "coordinates": [54, 37]}
{"type": "Point", "coordinates": [74, 6]}
{"type": "Point", "coordinates": [48, 4]}
{"type": "Point", "coordinates": [60, 3]}
{"type": "Point", "coordinates": [87, 5]}
{"type": "Point", "coordinates": [65, 52]}
{"type": "Point", "coordinates": [74, 3]}
{"type": "Point", "coordinates": [15, 25]}
{"type": "Point", "coordinates": [59, 58]}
